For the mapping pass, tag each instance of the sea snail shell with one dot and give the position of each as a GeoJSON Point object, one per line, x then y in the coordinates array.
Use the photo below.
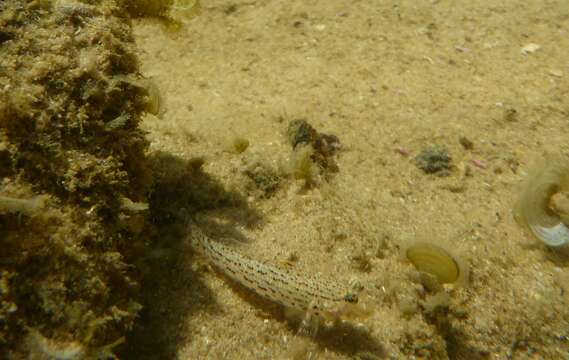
{"type": "Point", "coordinates": [543, 207]}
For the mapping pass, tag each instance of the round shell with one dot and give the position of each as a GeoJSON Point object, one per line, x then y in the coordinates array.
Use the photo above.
{"type": "Point", "coordinates": [540, 205]}
{"type": "Point", "coordinates": [436, 261]}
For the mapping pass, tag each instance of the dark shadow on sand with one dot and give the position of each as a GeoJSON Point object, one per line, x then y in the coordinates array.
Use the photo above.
{"type": "Point", "coordinates": [172, 289]}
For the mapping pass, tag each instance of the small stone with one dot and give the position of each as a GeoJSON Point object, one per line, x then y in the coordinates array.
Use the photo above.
{"type": "Point", "coordinates": [239, 144]}
{"type": "Point", "coordinates": [264, 180]}
{"type": "Point", "coordinates": [510, 114]}
{"type": "Point", "coordinates": [466, 143]}
{"type": "Point", "coordinates": [320, 27]}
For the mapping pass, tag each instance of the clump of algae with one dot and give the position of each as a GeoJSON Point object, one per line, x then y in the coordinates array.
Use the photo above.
{"type": "Point", "coordinates": [313, 157]}
{"type": "Point", "coordinates": [74, 176]}
{"type": "Point", "coordinates": [302, 167]}
{"type": "Point", "coordinates": [263, 179]}
{"type": "Point", "coordinates": [435, 160]}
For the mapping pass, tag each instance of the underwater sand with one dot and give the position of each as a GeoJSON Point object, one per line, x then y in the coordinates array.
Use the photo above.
{"type": "Point", "coordinates": [389, 78]}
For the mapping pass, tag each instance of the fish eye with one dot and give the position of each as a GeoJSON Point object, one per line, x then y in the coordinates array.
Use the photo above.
{"type": "Point", "coordinates": [351, 298]}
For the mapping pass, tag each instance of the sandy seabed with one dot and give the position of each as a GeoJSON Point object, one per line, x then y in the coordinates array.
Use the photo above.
{"type": "Point", "coordinates": [487, 82]}
{"type": "Point", "coordinates": [96, 257]}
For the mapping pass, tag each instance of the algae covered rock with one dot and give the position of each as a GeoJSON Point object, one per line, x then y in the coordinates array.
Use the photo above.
{"type": "Point", "coordinates": [435, 160]}
{"type": "Point", "coordinates": [68, 71]}
{"type": "Point", "coordinates": [314, 153]}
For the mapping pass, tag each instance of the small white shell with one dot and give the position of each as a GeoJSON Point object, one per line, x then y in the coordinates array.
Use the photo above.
{"type": "Point", "coordinates": [557, 235]}
{"type": "Point", "coordinates": [533, 209]}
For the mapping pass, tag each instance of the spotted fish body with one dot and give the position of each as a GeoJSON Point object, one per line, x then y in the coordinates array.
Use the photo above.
{"type": "Point", "coordinates": [283, 286]}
